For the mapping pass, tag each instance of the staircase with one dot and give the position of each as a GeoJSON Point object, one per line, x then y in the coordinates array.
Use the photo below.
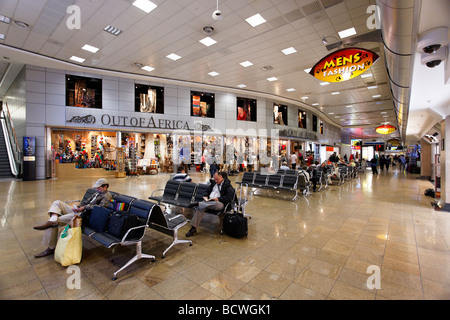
{"type": "Point", "coordinates": [5, 169]}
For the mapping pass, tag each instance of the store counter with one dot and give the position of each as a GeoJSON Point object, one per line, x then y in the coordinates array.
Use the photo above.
{"type": "Point", "coordinates": [68, 170]}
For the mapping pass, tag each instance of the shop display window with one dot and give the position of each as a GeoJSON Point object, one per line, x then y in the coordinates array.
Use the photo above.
{"type": "Point", "coordinates": [301, 119]}
{"type": "Point", "coordinates": [314, 123]}
{"type": "Point", "coordinates": [149, 99]}
{"type": "Point", "coordinates": [246, 109]}
{"type": "Point", "coordinates": [280, 114]}
{"type": "Point", "coordinates": [83, 92]}
{"type": "Point", "coordinates": [202, 104]}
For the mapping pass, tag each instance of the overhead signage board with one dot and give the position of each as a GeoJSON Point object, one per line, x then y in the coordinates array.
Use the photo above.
{"type": "Point", "coordinates": [344, 64]}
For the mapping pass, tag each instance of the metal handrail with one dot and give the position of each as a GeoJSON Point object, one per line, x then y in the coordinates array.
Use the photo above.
{"type": "Point", "coordinates": [14, 152]}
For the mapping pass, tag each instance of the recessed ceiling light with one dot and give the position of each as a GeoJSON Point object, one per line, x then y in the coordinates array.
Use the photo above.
{"type": "Point", "coordinates": [385, 116]}
{"type": "Point", "coordinates": [173, 56]}
{"type": "Point", "coordinates": [290, 89]}
{"type": "Point", "coordinates": [335, 93]}
{"type": "Point", "coordinates": [147, 68]}
{"type": "Point", "coordinates": [145, 5]}
{"type": "Point", "coordinates": [347, 33]}
{"type": "Point", "coordinates": [324, 83]}
{"type": "Point", "coordinates": [288, 51]}
{"type": "Point", "coordinates": [272, 79]}
{"type": "Point", "coordinates": [372, 87]}
{"type": "Point", "coordinates": [331, 113]}
{"type": "Point", "coordinates": [304, 98]}
{"type": "Point", "coordinates": [246, 64]}
{"type": "Point", "coordinates": [208, 41]}
{"type": "Point", "coordinates": [348, 106]}
{"type": "Point", "coordinates": [376, 96]}
{"type": "Point", "coordinates": [241, 85]}
{"type": "Point", "coordinates": [315, 104]}
{"type": "Point", "coordinates": [383, 112]}
{"type": "Point", "coordinates": [255, 20]}
{"type": "Point", "coordinates": [77, 59]}
{"type": "Point", "coordinates": [113, 30]}
{"type": "Point", "coordinates": [2, 36]}
{"type": "Point", "coordinates": [90, 48]}
{"type": "Point", "coordinates": [366, 75]}
{"type": "Point", "coordinates": [213, 74]}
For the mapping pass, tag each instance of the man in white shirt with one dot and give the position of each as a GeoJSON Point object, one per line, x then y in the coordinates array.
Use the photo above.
{"type": "Point", "coordinates": [293, 161]}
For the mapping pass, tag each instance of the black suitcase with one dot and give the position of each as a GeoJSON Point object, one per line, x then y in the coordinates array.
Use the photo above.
{"type": "Point", "coordinates": [235, 225]}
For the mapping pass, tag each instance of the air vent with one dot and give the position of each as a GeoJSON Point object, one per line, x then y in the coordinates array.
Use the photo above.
{"type": "Point", "coordinates": [113, 30]}
{"type": "Point", "coordinates": [312, 8]}
{"type": "Point", "coordinates": [266, 68]}
{"type": "Point", "coordinates": [330, 3]}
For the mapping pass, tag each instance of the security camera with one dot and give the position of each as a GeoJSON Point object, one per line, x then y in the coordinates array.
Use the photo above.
{"type": "Point", "coordinates": [217, 15]}
{"type": "Point", "coordinates": [430, 41]}
{"type": "Point", "coordinates": [431, 49]}
{"type": "Point", "coordinates": [432, 60]}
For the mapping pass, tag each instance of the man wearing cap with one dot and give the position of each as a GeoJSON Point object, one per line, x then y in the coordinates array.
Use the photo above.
{"type": "Point", "coordinates": [62, 213]}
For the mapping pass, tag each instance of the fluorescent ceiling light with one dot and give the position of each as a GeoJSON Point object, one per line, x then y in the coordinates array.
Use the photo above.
{"type": "Point", "coordinates": [241, 85]}
{"type": "Point", "coordinates": [208, 41]}
{"type": "Point", "coordinates": [5, 19]}
{"type": "Point", "coordinates": [290, 89]}
{"type": "Point", "coordinates": [145, 5]}
{"type": "Point", "coordinates": [77, 59]}
{"type": "Point", "coordinates": [324, 83]}
{"type": "Point", "coordinates": [90, 48]}
{"type": "Point", "coordinates": [372, 87]}
{"type": "Point", "coordinates": [335, 93]}
{"type": "Point", "coordinates": [331, 113]}
{"type": "Point", "coordinates": [147, 68]}
{"type": "Point", "coordinates": [383, 112]}
{"type": "Point", "coordinates": [376, 96]}
{"type": "Point", "coordinates": [255, 20]}
{"type": "Point", "coordinates": [366, 75]}
{"type": "Point", "coordinates": [348, 106]}
{"type": "Point", "coordinates": [315, 104]}
{"type": "Point", "coordinates": [246, 64]}
{"type": "Point", "coordinates": [347, 33]}
{"type": "Point", "coordinates": [113, 30]}
{"type": "Point", "coordinates": [272, 79]}
{"type": "Point", "coordinates": [288, 51]}
{"type": "Point", "coordinates": [213, 74]}
{"type": "Point", "coordinates": [173, 56]}
{"type": "Point", "coordinates": [2, 36]}
{"type": "Point", "coordinates": [304, 98]}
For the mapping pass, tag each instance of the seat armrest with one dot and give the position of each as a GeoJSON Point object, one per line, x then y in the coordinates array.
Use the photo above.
{"type": "Point", "coordinates": [155, 191]}
{"type": "Point", "coordinates": [176, 217]}
{"type": "Point", "coordinates": [131, 229]}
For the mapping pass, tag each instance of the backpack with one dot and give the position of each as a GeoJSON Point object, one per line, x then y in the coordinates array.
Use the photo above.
{"type": "Point", "coordinates": [430, 192]}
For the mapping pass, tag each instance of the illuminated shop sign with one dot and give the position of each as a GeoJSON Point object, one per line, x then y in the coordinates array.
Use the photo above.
{"type": "Point", "coordinates": [344, 64]}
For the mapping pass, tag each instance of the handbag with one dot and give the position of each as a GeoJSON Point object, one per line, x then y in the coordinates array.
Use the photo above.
{"type": "Point", "coordinates": [69, 248]}
{"type": "Point", "coordinates": [120, 222]}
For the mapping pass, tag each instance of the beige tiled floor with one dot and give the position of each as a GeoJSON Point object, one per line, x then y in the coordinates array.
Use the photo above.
{"type": "Point", "coordinates": [314, 248]}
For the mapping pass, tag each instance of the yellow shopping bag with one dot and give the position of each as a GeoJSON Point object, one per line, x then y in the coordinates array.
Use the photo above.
{"type": "Point", "coordinates": [69, 247]}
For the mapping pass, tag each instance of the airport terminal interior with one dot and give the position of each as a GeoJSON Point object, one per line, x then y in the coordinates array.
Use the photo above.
{"type": "Point", "coordinates": [329, 118]}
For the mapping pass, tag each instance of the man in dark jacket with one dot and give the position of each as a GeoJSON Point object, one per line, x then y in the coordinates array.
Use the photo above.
{"type": "Point", "coordinates": [219, 193]}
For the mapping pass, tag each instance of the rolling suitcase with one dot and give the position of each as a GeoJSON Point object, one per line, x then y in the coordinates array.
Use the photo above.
{"type": "Point", "coordinates": [235, 225]}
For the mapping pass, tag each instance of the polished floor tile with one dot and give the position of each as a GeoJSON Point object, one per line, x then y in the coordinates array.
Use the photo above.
{"type": "Point", "coordinates": [319, 247]}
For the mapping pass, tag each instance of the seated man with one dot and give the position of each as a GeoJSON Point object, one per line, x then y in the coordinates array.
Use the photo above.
{"type": "Point", "coordinates": [61, 212]}
{"type": "Point", "coordinates": [284, 166]}
{"type": "Point", "coordinates": [219, 193]}
{"type": "Point", "coordinates": [181, 175]}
